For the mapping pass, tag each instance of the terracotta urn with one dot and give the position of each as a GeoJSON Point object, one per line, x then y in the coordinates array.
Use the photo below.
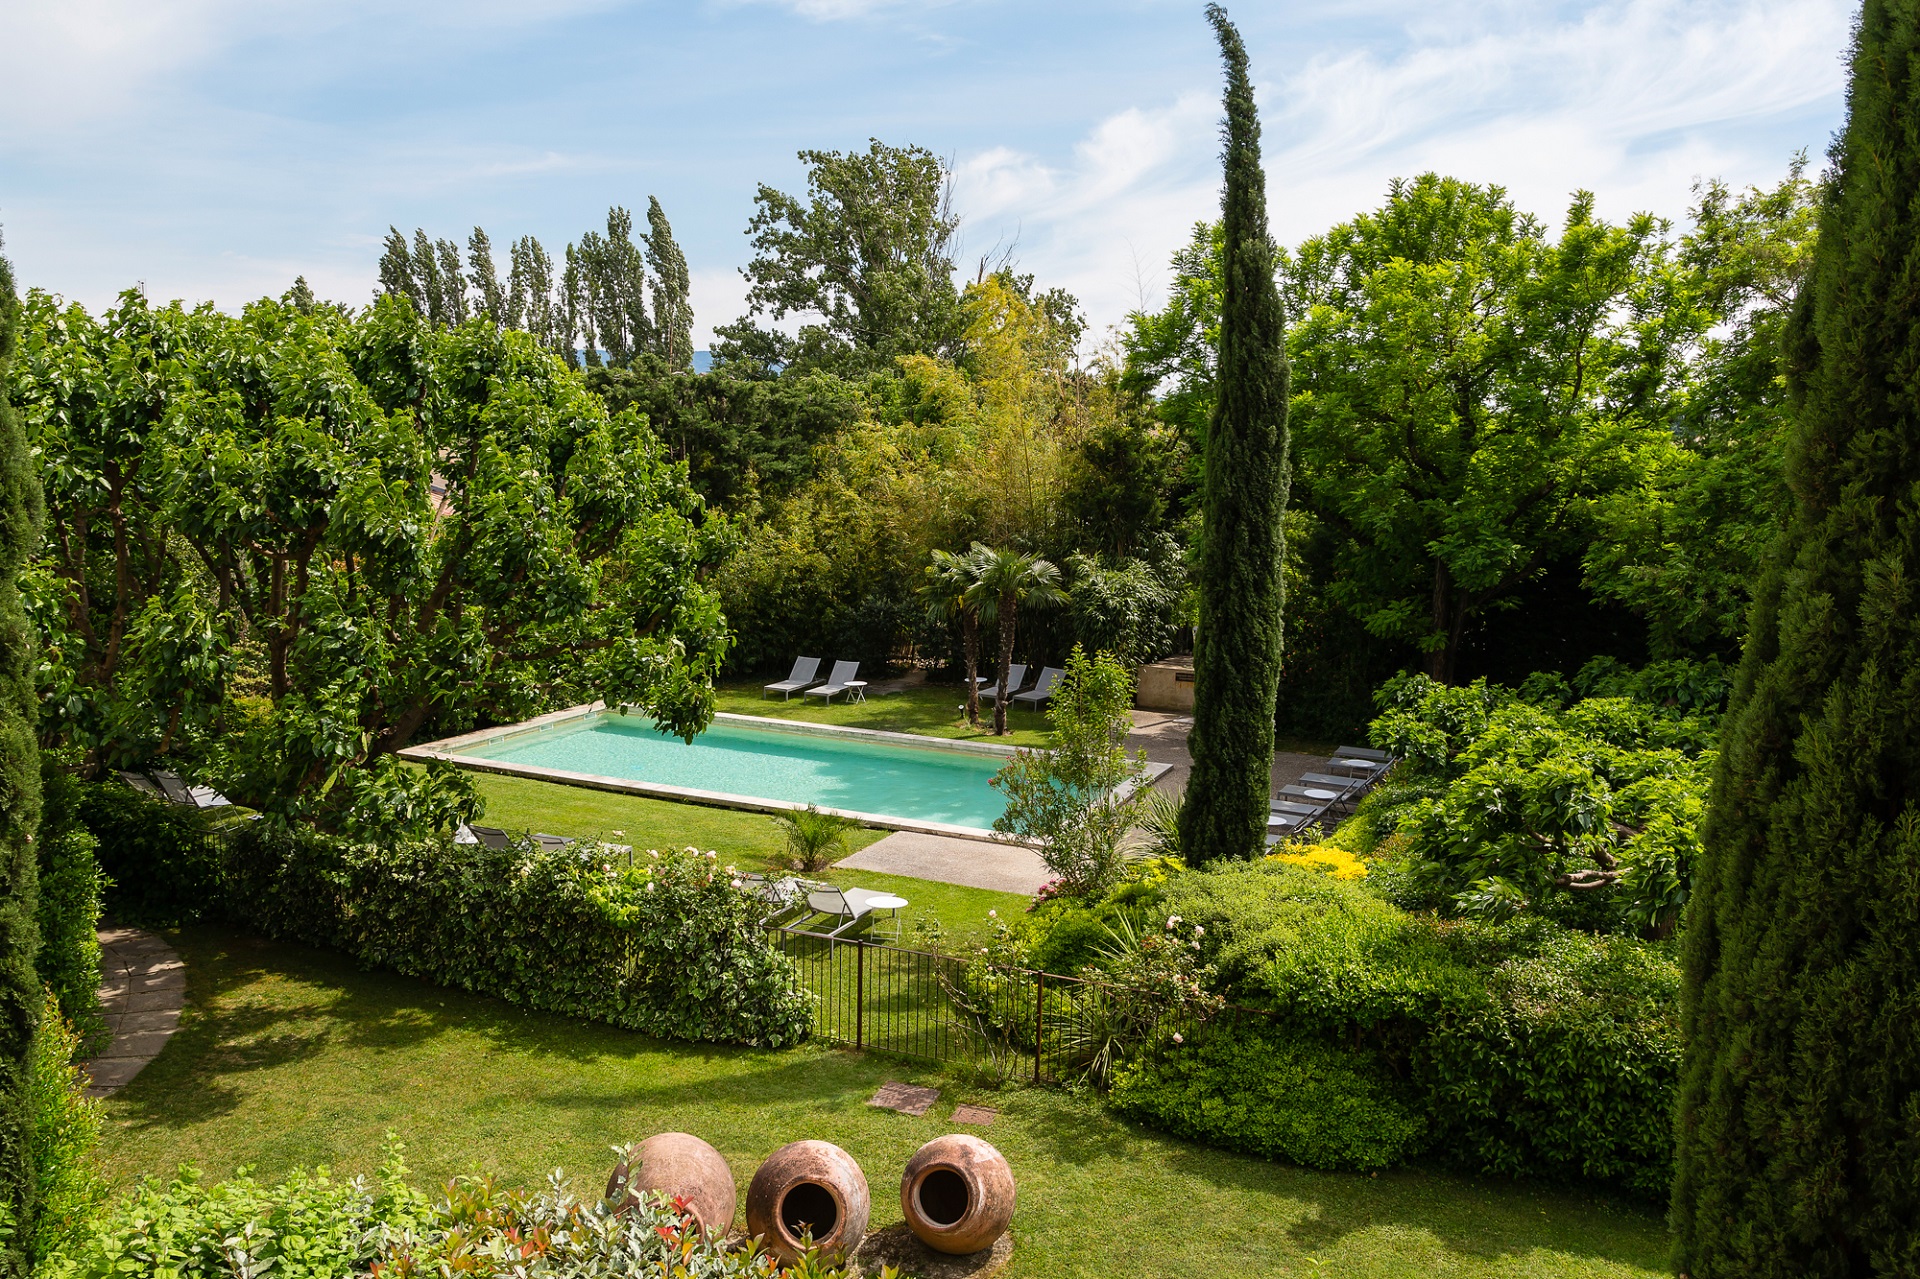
{"type": "Point", "coordinates": [957, 1194]}
{"type": "Point", "coordinates": [808, 1186]}
{"type": "Point", "coordinates": [680, 1166]}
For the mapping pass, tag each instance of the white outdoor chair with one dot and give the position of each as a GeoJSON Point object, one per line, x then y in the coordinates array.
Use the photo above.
{"type": "Point", "coordinates": [1016, 676]}
{"type": "Point", "coordinates": [806, 671]}
{"type": "Point", "coordinates": [843, 674]}
{"type": "Point", "coordinates": [1042, 690]}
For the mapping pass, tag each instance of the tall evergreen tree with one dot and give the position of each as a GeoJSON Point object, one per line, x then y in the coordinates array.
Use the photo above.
{"type": "Point", "coordinates": [1238, 633]}
{"type": "Point", "coordinates": [20, 997]}
{"type": "Point", "coordinates": [672, 290]}
{"type": "Point", "coordinates": [396, 270]}
{"type": "Point", "coordinates": [1798, 1140]}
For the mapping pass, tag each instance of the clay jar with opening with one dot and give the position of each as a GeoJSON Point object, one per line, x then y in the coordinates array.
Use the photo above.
{"type": "Point", "coordinates": [682, 1166]}
{"type": "Point", "coordinates": [809, 1185]}
{"type": "Point", "coordinates": [957, 1194]}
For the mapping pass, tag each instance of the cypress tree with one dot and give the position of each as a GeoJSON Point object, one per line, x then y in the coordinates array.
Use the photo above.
{"type": "Point", "coordinates": [20, 996]}
{"type": "Point", "coordinates": [1237, 639]}
{"type": "Point", "coordinates": [1798, 1135]}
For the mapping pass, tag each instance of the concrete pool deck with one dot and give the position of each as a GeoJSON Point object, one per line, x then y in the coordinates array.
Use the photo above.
{"type": "Point", "coordinates": [971, 863]}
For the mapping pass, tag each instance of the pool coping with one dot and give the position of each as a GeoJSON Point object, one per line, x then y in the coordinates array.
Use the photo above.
{"type": "Point", "coordinates": [448, 750]}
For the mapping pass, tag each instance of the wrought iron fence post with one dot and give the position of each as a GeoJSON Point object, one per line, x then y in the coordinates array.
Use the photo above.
{"type": "Point", "coordinates": [859, 993]}
{"type": "Point", "coordinates": [1039, 1011]}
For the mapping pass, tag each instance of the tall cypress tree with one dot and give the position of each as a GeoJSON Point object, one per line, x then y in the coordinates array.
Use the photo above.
{"type": "Point", "coordinates": [1798, 1137]}
{"type": "Point", "coordinates": [1237, 639]}
{"type": "Point", "coordinates": [19, 797]}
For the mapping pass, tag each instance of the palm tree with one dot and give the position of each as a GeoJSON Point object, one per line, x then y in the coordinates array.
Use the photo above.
{"type": "Point", "coordinates": [949, 579]}
{"type": "Point", "coordinates": [1005, 580]}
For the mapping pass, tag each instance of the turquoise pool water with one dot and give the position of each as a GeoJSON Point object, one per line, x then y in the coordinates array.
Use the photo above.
{"type": "Point", "coordinates": [917, 783]}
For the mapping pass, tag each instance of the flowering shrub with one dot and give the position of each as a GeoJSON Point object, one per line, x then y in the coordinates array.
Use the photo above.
{"type": "Point", "coordinates": [1338, 862]}
{"type": "Point", "coordinates": [668, 945]}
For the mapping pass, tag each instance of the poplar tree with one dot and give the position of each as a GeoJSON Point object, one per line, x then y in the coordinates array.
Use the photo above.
{"type": "Point", "coordinates": [1798, 1139]}
{"type": "Point", "coordinates": [672, 290]}
{"type": "Point", "coordinates": [20, 997]}
{"type": "Point", "coordinates": [492, 301]}
{"type": "Point", "coordinates": [1237, 637]}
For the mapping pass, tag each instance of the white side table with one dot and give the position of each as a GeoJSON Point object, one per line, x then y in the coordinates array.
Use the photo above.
{"type": "Point", "coordinates": [857, 692]}
{"type": "Point", "coordinates": [893, 906]}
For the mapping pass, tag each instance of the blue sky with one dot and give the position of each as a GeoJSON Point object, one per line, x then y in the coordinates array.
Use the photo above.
{"type": "Point", "coordinates": [216, 148]}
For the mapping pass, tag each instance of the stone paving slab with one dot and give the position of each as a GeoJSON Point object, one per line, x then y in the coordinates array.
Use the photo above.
{"type": "Point", "coordinates": [143, 987]}
{"type": "Point", "coordinates": [907, 1099]}
{"type": "Point", "coordinates": [981, 1116]}
{"type": "Point", "coordinates": [972, 863]}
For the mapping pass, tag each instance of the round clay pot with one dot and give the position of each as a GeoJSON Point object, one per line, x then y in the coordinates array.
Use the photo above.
{"type": "Point", "coordinates": [681, 1166]}
{"type": "Point", "coordinates": [808, 1185]}
{"type": "Point", "coordinates": [957, 1194]}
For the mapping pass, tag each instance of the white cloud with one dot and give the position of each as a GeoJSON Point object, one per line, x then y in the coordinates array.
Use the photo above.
{"type": "Point", "coordinates": [1634, 101]}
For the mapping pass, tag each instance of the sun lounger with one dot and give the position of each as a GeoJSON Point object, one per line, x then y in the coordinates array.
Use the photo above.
{"type": "Point", "coordinates": [177, 790]}
{"type": "Point", "coordinates": [806, 671]}
{"type": "Point", "coordinates": [850, 905]}
{"type": "Point", "coordinates": [144, 784]}
{"type": "Point", "coordinates": [490, 836]}
{"type": "Point", "coordinates": [786, 893]}
{"type": "Point", "coordinates": [1349, 786]}
{"type": "Point", "coordinates": [551, 842]}
{"type": "Point", "coordinates": [843, 673]}
{"type": "Point", "coordinates": [1362, 761]}
{"type": "Point", "coordinates": [1016, 676]}
{"type": "Point", "coordinates": [1042, 689]}
{"type": "Point", "coordinates": [1308, 794]}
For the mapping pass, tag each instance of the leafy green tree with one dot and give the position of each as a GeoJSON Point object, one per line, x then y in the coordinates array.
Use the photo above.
{"type": "Point", "coordinates": [950, 579]}
{"type": "Point", "coordinates": [869, 252]}
{"type": "Point", "coordinates": [1683, 544]}
{"type": "Point", "coordinates": [1798, 1151]}
{"type": "Point", "coordinates": [1069, 798]}
{"type": "Point", "coordinates": [290, 472]}
{"type": "Point", "coordinates": [1465, 391]}
{"type": "Point", "coordinates": [1003, 581]}
{"type": "Point", "coordinates": [1238, 633]}
{"type": "Point", "coordinates": [613, 279]}
{"type": "Point", "coordinates": [20, 990]}
{"type": "Point", "coordinates": [1172, 354]}
{"type": "Point", "coordinates": [672, 291]}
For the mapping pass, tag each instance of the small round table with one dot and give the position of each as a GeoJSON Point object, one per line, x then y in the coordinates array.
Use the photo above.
{"type": "Point", "coordinates": [893, 905]}
{"type": "Point", "coordinates": [857, 692]}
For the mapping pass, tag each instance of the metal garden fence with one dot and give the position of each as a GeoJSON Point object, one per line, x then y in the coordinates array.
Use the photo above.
{"type": "Point", "coordinates": [1014, 1022]}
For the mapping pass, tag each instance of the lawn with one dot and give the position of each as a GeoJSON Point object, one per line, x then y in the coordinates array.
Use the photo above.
{"type": "Point", "coordinates": [931, 710]}
{"type": "Point", "coordinates": [749, 840]}
{"type": "Point", "coordinates": [288, 1056]}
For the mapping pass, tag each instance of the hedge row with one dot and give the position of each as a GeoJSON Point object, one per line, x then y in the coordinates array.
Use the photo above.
{"type": "Point", "coordinates": [668, 946]}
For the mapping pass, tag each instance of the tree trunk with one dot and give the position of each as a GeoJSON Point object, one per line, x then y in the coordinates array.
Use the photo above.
{"type": "Point", "coordinates": [1007, 605]}
{"type": "Point", "coordinates": [970, 640]}
{"type": "Point", "coordinates": [1440, 658]}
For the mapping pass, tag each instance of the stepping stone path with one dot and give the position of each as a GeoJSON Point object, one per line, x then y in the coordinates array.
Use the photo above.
{"type": "Point", "coordinates": [907, 1099]}
{"type": "Point", "coordinates": [980, 1115]}
{"type": "Point", "coordinates": [143, 985]}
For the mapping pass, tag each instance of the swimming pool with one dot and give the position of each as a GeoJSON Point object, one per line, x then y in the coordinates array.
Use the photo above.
{"type": "Point", "coordinates": [885, 779]}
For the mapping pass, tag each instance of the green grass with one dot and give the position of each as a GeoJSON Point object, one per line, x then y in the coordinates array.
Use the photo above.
{"type": "Point", "coordinates": [930, 710]}
{"type": "Point", "coordinates": [288, 1056]}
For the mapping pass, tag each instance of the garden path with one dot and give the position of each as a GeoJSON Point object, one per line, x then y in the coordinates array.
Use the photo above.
{"type": "Point", "coordinates": [974, 863]}
{"type": "Point", "coordinates": [143, 985]}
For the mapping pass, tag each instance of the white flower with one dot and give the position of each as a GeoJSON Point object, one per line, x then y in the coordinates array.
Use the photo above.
{"type": "Point", "coordinates": [619, 834]}
{"type": "Point", "coordinates": [1199, 931]}
{"type": "Point", "coordinates": [1178, 1038]}
{"type": "Point", "coordinates": [983, 950]}
{"type": "Point", "coordinates": [1196, 945]}
{"type": "Point", "coordinates": [993, 914]}
{"type": "Point", "coordinates": [1172, 920]}
{"type": "Point", "coordinates": [712, 856]}
{"type": "Point", "coordinates": [649, 885]}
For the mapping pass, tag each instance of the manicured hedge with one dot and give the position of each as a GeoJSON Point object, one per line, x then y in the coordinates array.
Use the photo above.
{"type": "Point", "coordinates": [68, 911]}
{"type": "Point", "coordinates": [669, 946]}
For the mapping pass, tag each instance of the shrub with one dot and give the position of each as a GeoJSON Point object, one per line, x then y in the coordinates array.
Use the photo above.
{"type": "Point", "coordinates": [308, 1226]}
{"type": "Point", "coordinates": [71, 886]}
{"type": "Point", "coordinates": [669, 946]}
{"type": "Point", "coordinates": [1249, 1085]}
{"type": "Point", "coordinates": [1340, 863]}
{"type": "Point", "coordinates": [815, 839]}
{"type": "Point", "coordinates": [65, 1130]}
{"type": "Point", "coordinates": [160, 860]}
